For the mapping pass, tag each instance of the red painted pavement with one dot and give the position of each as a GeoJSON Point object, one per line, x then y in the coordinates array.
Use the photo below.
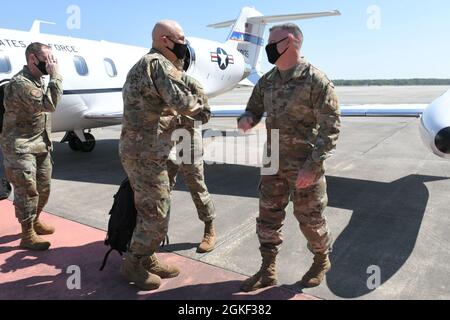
{"type": "Point", "coordinates": [29, 275]}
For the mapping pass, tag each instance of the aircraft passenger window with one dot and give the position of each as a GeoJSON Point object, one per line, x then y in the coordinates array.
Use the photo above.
{"type": "Point", "coordinates": [110, 67]}
{"type": "Point", "coordinates": [5, 64]}
{"type": "Point", "coordinates": [81, 66]}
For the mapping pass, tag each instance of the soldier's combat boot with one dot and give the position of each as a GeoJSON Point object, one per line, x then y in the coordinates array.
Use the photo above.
{"type": "Point", "coordinates": [133, 270]}
{"type": "Point", "coordinates": [30, 240]}
{"type": "Point", "coordinates": [41, 228]}
{"type": "Point", "coordinates": [209, 239]}
{"type": "Point", "coordinates": [164, 271]}
{"type": "Point", "coordinates": [315, 275]}
{"type": "Point", "coordinates": [266, 276]}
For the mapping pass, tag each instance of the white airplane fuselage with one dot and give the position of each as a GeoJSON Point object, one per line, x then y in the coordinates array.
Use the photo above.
{"type": "Point", "coordinates": [94, 73]}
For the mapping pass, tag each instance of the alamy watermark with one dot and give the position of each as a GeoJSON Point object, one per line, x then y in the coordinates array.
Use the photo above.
{"type": "Point", "coordinates": [74, 280]}
{"type": "Point", "coordinates": [227, 147]}
{"type": "Point", "coordinates": [374, 19]}
{"type": "Point", "coordinates": [374, 280]}
{"type": "Point", "coordinates": [74, 20]}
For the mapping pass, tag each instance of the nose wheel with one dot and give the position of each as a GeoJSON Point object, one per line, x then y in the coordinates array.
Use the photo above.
{"type": "Point", "coordinates": [77, 145]}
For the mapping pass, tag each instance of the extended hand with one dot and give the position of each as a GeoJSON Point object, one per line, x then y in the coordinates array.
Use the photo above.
{"type": "Point", "coordinates": [305, 179]}
{"type": "Point", "coordinates": [192, 112]}
{"type": "Point", "coordinates": [245, 124]}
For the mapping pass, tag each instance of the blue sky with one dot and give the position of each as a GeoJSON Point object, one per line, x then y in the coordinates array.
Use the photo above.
{"type": "Point", "coordinates": [412, 41]}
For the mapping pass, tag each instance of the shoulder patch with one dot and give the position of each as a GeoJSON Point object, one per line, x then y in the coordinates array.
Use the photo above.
{"type": "Point", "coordinates": [36, 93]}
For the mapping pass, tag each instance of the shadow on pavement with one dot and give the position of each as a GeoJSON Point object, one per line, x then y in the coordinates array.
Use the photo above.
{"type": "Point", "coordinates": [382, 232]}
{"type": "Point", "coordinates": [109, 284]}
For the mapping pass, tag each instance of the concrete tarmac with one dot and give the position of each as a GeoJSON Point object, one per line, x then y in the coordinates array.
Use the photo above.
{"type": "Point", "coordinates": [388, 207]}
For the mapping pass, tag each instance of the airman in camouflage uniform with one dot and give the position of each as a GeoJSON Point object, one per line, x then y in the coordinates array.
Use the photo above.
{"type": "Point", "coordinates": [154, 96]}
{"type": "Point", "coordinates": [301, 103]}
{"type": "Point", "coordinates": [26, 141]}
{"type": "Point", "coordinates": [193, 170]}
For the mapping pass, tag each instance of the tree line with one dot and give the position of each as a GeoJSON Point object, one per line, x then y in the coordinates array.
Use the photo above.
{"type": "Point", "coordinates": [394, 82]}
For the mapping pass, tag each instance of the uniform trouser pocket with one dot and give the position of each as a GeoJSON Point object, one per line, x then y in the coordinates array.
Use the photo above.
{"type": "Point", "coordinates": [274, 198]}
{"type": "Point", "coordinates": [150, 183]}
{"type": "Point", "coordinates": [194, 178]}
{"type": "Point", "coordinates": [44, 170]}
{"type": "Point", "coordinates": [309, 209]}
{"type": "Point", "coordinates": [30, 175]}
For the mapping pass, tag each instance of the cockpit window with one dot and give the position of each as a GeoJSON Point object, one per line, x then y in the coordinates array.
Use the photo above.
{"type": "Point", "coordinates": [110, 67]}
{"type": "Point", "coordinates": [5, 64]}
{"type": "Point", "coordinates": [81, 66]}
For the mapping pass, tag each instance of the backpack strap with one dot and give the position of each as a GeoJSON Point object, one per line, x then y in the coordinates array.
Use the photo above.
{"type": "Point", "coordinates": [105, 259]}
{"type": "Point", "coordinates": [166, 241]}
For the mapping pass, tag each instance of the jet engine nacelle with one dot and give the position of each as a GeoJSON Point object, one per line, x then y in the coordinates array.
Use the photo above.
{"type": "Point", "coordinates": [435, 126]}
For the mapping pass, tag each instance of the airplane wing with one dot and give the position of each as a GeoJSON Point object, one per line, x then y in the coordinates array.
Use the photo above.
{"type": "Point", "coordinates": [92, 115]}
{"type": "Point", "coordinates": [384, 110]}
{"type": "Point", "coordinates": [369, 110]}
{"type": "Point", "coordinates": [105, 117]}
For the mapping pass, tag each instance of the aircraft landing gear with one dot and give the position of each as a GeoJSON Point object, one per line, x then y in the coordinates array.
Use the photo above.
{"type": "Point", "coordinates": [77, 145]}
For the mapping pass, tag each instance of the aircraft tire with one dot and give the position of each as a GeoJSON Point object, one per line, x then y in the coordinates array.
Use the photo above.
{"type": "Point", "coordinates": [75, 144]}
{"type": "Point", "coordinates": [89, 145]}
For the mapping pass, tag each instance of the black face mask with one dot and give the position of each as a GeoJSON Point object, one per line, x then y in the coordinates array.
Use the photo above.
{"type": "Point", "coordinates": [42, 66]}
{"type": "Point", "coordinates": [179, 50]}
{"type": "Point", "coordinates": [272, 51]}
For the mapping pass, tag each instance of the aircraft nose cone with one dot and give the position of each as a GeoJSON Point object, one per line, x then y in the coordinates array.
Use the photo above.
{"type": "Point", "coordinates": [443, 140]}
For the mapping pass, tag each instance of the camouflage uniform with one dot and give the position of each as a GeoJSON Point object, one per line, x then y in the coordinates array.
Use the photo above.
{"type": "Point", "coordinates": [301, 103]}
{"type": "Point", "coordinates": [26, 140]}
{"type": "Point", "coordinates": [154, 95]}
{"type": "Point", "coordinates": [193, 171]}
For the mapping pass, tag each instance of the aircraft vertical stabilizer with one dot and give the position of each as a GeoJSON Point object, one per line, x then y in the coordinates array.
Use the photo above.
{"type": "Point", "coordinates": [247, 37]}
{"type": "Point", "coordinates": [247, 33]}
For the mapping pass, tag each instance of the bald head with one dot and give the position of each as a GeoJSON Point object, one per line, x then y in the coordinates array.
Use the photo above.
{"type": "Point", "coordinates": [166, 28]}
{"type": "Point", "coordinates": [168, 36]}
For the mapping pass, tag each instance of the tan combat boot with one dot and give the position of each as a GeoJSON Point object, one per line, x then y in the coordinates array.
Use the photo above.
{"type": "Point", "coordinates": [41, 228]}
{"type": "Point", "coordinates": [164, 271]}
{"type": "Point", "coordinates": [30, 240]}
{"type": "Point", "coordinates": [315, 275]}
{"type": "Point", "coordinates": [133, 270]}
{"type": "Point", "coordinates": [209, 239]}
{"type": "Point", "coordinates": [266, 276]}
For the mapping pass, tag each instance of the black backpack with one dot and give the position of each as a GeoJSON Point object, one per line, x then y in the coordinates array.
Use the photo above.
{"type": "Point", "coordinates": [5, 189]}
{"type": "Point", "coordinates": [122, 222]}
{"type": "Point", "coordinates": [2, 107]}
